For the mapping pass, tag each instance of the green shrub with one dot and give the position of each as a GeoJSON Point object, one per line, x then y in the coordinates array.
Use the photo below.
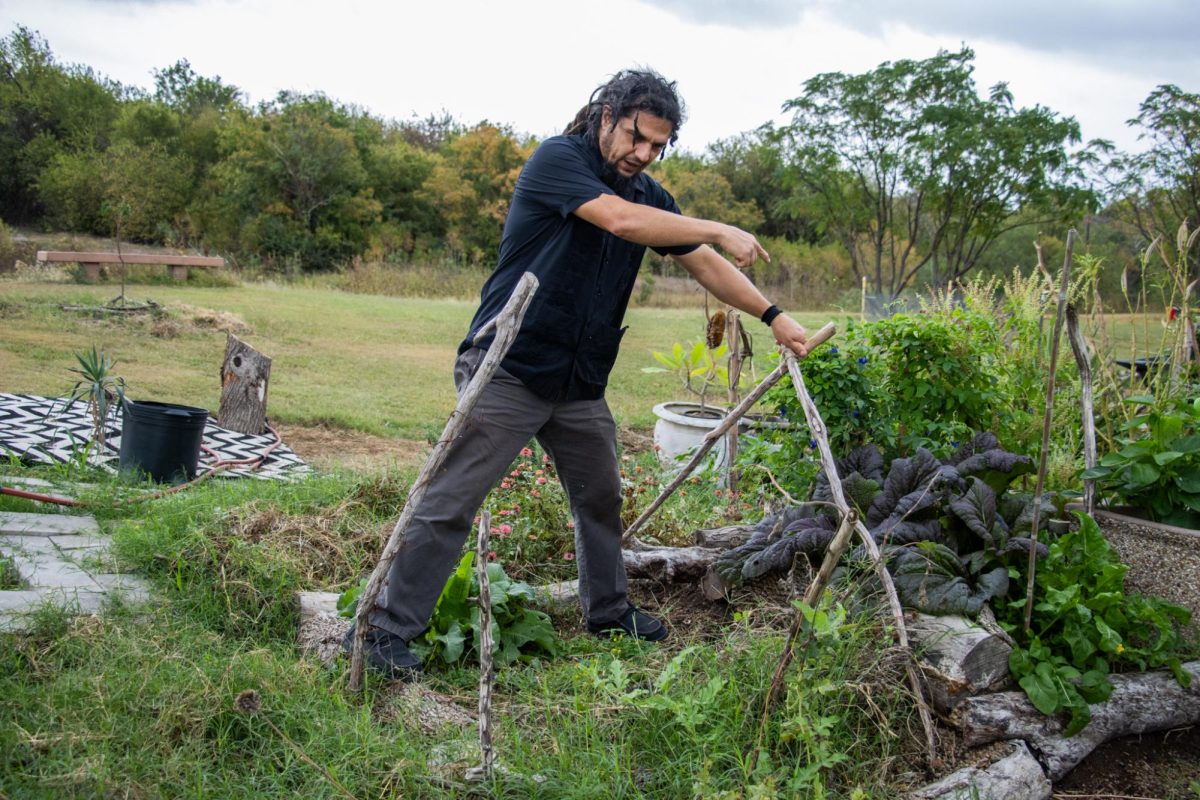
{"type": "Point", "coordinates": [1157, 468]}
{"type": "Point", "coordinates": [1085, 626]}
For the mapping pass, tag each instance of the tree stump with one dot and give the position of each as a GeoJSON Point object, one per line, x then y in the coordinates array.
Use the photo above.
{"type": "Point", "coordinates": [958, 658]}
{"type": "Point", "coordinates": [244, 376]}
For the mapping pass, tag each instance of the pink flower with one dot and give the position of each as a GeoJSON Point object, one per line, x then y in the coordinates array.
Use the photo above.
{"type": "Point", "coordinates": [539, 472]}
{"type": "Point", "coordinates": [525, 451]}
{"type": "Point", "coordinates": [505, 484]}
{"type": "Point", "coordinates": [506, 529]}
{"type": "Point", "coordinates": [545, 458]}
{"type": "Point", "coordinates": [506, 512]}
{"type": "Point", "coordinates": [568, 556]}
{"type": "Point", "coordinates": [476, 521]}
{"type": "Point", "coordinates": [541, 480]}
{"type": "Point", "coordinates": [534, 493]}
{"type": "Point", "coordinates": [571, 526]}
{"type": "Point", "coordinates": [491, 556]}
{"type": "Point", "coordinates": [515, 472]}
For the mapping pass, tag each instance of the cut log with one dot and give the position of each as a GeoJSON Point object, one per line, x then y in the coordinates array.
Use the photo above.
{"type": "Point", "coordinates": [725, 538]}
{"type": "Point", "coordinates": [1140, 703]}
{"type": "Point", "coordinates": [1016, 776]}
{"type": "Point", "coordinates": [668, 564]}
{"type": "Point", "coordinates": [244, 376]}
{"type": "Point", "coordinates": [958, 658]}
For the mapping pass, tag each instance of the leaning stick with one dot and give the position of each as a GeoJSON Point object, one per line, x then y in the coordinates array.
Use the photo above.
{"type": "Point", "coordinates": [1047, 420]}
{"type": "Point", "coordinates": [838, 545]}
{"type": "Point", "coordinates": [1087, 404]}
{"type": "Point", "coordinates": [816, 426]}
{"type": "Point", "coordinates": [487, 756]}
{"type": "Point", "coordinates": [506, 324]}
{"type": "Point", "coordinates": [713, 436]}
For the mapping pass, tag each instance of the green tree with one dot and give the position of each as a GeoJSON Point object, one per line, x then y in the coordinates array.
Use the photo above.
{"type": "Point", "coordinates": [45, 109]}
{"type": "Point", "coordinates": [292, 186]}
{"type": "Point", "coordinates": [1158, 189]}
{"type": "Point", "coordinates": [472, 185]}
{"type": "Point", "coordinates": [911, 170]}
{"type": "Point", "coordinates": [752, 164]}
{"type": "Point", "coordinates": [397, 170]}
{"type": "Point", "coordinates": [131, 190]}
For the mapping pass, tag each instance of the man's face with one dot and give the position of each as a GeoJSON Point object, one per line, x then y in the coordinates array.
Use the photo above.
{"type": "Point", "coordinates": [635, 141]}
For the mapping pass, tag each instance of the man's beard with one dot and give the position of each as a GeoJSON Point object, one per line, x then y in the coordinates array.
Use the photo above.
{"type": "Point", "coordinates": [619, 183]}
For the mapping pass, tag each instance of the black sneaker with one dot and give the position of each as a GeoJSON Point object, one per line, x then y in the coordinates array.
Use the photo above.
{"type": "Point", "coordinates": [387, 654]}
{"type": "Point", "coordinates": [634, 622]}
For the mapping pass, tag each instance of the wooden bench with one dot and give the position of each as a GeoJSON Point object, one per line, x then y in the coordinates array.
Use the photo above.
{"type": "Point", "coordinates": [178, 265]}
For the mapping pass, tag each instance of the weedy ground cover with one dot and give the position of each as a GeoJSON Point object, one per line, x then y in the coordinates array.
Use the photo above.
{"type": "Point", "coordinates": [141, 701]}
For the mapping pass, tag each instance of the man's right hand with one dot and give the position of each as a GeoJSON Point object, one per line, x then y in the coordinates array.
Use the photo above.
{"type": "Point", "coordinates": [790, 334]}
{"type": "Point", "coordinates": [741, 247]}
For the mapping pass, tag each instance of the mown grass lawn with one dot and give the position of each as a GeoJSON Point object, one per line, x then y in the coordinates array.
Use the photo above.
{"type": "Point", "coordinates": [376, 364]}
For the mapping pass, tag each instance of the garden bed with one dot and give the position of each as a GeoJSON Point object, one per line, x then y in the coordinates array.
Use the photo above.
{"type": "Point", "coordinates": [1163, 560]}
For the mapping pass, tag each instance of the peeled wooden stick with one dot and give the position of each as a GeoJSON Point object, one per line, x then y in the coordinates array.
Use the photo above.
{"type": "Point", "coordinates": [487, 757]}
{"type": "Point", "coordinates": [816, 426]}
{"type": "Point", "coordinates": [713, 436]}
{"type": "Point", "coordinates": [1047, 419]}
{"type": "Point", "coordinates": [1087, 405]}
{"type": "Point", "coordinates": [506, 324]}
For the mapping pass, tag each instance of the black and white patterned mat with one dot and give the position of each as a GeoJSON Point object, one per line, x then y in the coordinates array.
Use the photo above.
{"type": "Point", "coordinates": [49, 430]}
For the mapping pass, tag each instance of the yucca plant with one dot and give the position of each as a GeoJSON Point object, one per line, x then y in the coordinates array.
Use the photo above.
{"type": "Point", "coordinates": [98, 387]}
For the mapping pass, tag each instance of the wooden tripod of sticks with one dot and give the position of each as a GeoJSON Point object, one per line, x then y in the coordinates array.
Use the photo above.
{"type": "Point", "coordinates": [506, 324]}
{"type": "Point", "coordinates": [850, 522]}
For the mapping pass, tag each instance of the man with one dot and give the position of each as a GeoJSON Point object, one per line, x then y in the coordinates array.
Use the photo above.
{"type": "Point", "coordinates": [582, 214]}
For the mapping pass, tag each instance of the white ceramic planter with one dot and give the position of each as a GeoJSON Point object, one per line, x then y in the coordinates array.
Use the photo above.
{"type": "Point", "coordinates": [681, 427]}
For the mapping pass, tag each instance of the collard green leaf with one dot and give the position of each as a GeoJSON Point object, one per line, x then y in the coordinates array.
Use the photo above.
{"type": "Point", "coordinates": [912, 484]}
{"type": "Point", "coordinates": [979, 443]}
{"type": "Point", "coordinates": [866, 461]}
{"type": "Point", "coordinates": [777, 557]}
{"type": "Point", "coordinates": [930, 579]}
{"type": "Point", "coordinates": [976, 509]}
{"type": "Point", "coordinates": [997, 468]}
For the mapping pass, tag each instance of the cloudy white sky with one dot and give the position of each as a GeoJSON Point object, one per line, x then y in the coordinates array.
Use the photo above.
{"type": "Point", "coordinates": [531, 64]}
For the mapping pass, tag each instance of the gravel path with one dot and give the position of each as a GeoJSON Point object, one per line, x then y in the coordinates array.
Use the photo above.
{"type": "Point", "coordinates": [1163, 561]}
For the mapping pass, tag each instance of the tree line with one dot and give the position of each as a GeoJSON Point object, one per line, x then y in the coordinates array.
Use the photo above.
{"type": "Point", "coordinates": [900, 177]}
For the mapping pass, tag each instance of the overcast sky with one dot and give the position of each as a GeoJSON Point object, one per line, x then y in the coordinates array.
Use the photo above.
{"type": "Point", "coordinates": [532, 64]}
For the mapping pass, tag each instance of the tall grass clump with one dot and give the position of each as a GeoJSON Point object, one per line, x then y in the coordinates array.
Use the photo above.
{"type": "Point", "coordinates": [234, 554]}
{"type": "Point", "coordinates": [445, 279]}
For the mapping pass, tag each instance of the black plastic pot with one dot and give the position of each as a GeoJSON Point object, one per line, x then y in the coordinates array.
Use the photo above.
{"type": "Point", "coordinates": [161, 440]}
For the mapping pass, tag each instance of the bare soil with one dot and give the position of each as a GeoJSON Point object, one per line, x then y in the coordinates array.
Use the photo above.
{"type": "Point", "coordinates": [330, 449]}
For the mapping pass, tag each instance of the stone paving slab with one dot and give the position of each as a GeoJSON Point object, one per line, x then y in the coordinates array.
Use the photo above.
{"type": "Point", "coordinates": [22, 523]}
{"type": "Point", "coordinates": [81, 541]}
{"type": "Point", "coordinates": [60, 560]}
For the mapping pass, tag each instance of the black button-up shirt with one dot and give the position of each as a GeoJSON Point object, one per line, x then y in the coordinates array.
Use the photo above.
{"type": "Point", "coordinates": [571, 332]}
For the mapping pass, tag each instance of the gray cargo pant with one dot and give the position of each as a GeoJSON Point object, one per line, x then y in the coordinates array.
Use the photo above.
{"type": "Point", "coordinates": [579, 436]}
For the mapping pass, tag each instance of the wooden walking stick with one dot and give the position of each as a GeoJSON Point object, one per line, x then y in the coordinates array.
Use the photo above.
{"type": "Point", "coordinates": [713, 436]}
{"type": "Point", "coordinates": [487, 755]}
{"type": "Point", "coordinates": [506, 324]}
{"type": "Point", "coordinates": [816, 427]}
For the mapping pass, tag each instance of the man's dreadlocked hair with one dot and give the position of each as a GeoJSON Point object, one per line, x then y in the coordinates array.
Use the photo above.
{"type": "Point", "coordinates": [627, 92]}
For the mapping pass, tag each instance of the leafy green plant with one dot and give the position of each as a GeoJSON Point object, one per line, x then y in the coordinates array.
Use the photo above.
{"type": "Point", "coordinates": [942, 374]}
{"type": "Point", "coordinates": [9, 577]}
{"type": "Point", "coordinates": [98, 387]}
{"type": "Point", "coordinates": [698, 366]}
{"type": "Point", "coordinates": [455, 630]}
{"type": "Point", "coordinates": [1157, 468]}
{"type": "Point", "coordinates": [1084, 626]}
